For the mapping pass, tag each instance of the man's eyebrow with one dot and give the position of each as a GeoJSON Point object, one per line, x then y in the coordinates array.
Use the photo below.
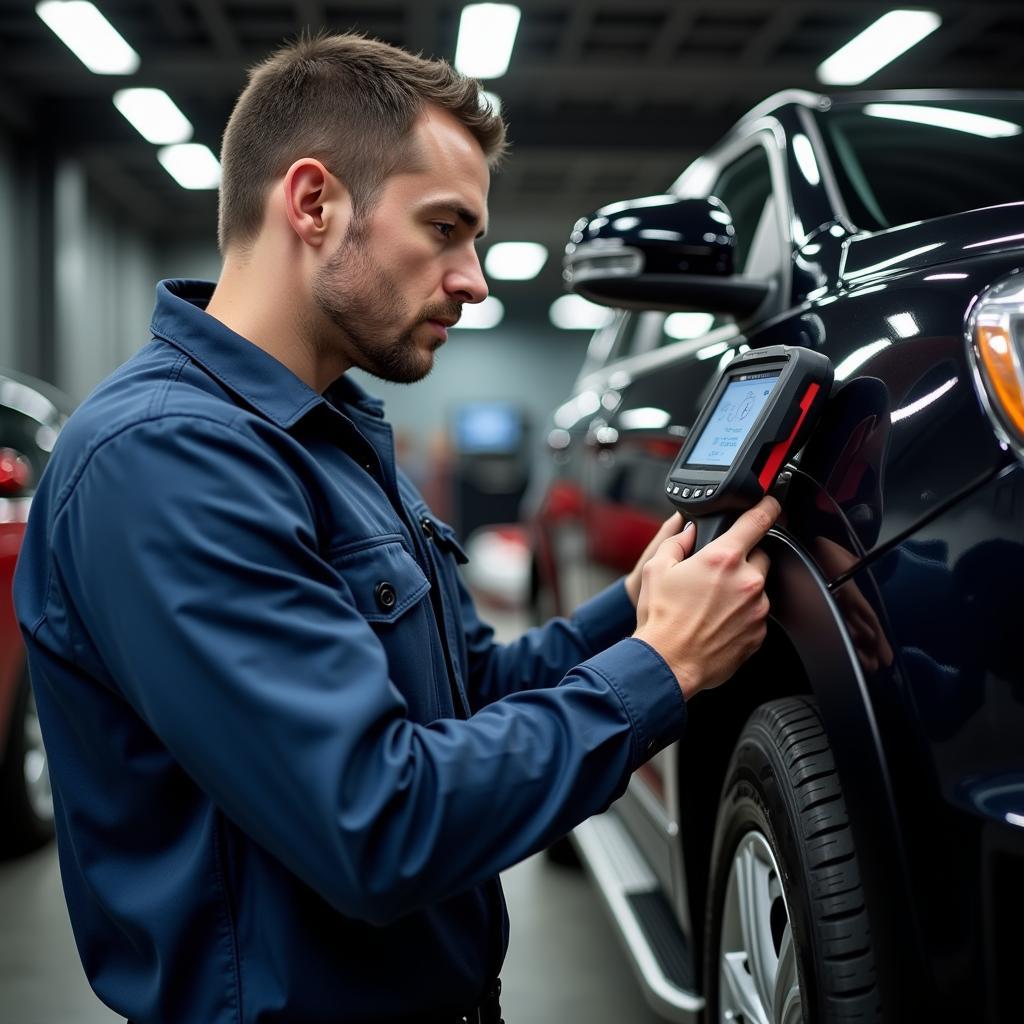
{"type": "Point", "coordinates": [467, 216]}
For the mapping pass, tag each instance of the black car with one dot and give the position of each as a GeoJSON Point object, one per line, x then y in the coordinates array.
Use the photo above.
{"type": "Point", "coordinates": [840, 835]}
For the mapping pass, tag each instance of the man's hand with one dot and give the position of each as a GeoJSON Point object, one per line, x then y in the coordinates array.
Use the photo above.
{"type": "Point", "coordinates": [672, 525]}
{"type": "Point", "coordinates": [706, 614]}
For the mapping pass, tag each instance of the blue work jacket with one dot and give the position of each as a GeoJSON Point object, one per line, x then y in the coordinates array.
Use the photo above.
{"type": "Point", "coordinates": [288, 759]}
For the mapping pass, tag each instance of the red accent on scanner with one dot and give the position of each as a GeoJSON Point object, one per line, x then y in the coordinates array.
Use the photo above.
{"type": "Point", "coordinates": [779, 452]}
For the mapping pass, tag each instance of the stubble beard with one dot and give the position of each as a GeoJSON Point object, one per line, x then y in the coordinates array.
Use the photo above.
{"type": "Point", "coordinates": [364, 304]}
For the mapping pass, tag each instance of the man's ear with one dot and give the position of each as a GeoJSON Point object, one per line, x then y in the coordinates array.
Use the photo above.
{"type": "Point", "coordinates": [317, 204]}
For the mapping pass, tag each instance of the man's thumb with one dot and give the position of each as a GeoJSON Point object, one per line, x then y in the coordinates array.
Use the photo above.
{"type": "Point", "coordinates": [688, 539]}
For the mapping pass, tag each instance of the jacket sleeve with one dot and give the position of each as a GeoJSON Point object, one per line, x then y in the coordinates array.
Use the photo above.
{"type": "Point", "coordinates": [543, 655]}
{"type": "Point", "coordinates": [188, 550]}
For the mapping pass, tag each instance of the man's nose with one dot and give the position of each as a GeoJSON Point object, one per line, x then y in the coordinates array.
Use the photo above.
{"type": "Point", "coordinates": [466, 281]}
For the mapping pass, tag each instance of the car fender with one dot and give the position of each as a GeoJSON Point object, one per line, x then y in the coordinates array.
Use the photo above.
{"type": "Point", "coordinates": [806, 611]}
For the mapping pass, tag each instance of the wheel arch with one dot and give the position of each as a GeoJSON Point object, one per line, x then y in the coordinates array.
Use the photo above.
{"type": "Point", "coordinates": [807, 652]}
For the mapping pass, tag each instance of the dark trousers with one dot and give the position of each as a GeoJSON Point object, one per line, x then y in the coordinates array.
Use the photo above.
{"type": "Point", "coordinates": [488, 1012]}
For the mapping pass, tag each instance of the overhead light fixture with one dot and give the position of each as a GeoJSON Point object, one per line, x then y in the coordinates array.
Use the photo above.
{"type": "Point", "coordinates": [490, 101]}
{"type": "Point", "coordinates": [487, 33]}
{"type": "Point", "coordinates": [482, 316]}
{"type": "Point", "coordinates": [575, 313]}
{"type": "Point", "coordinates": [89, 36]}
{"type": "Point", "coordinates": [191, 165]}
{"type": "Point", "coordinates": [154, 115]}
{"type": "Point", "coordinates": [942, 117]}
{"type": "Point", "coordinates": [879, 44]}
{"type": "Point", "coordinates": [515, 261]}
{"type": "Point", "coordinates": [688, 325]}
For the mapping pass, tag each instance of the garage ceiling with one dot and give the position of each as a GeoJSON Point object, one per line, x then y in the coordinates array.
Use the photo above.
{"type": "Point", "coordinates": [606, 99]}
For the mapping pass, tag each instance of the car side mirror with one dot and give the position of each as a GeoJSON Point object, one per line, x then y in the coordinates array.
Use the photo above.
{"type": "Point", "coordinates": [660, 252]}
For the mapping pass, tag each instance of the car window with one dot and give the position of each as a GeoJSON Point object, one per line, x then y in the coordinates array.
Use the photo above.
{"type": "Point", "coordinates": [604, 344]}
{"type": "Point", "coordinates": [901, 162]}
{"type": "Point", "coordinates": [745, 186]}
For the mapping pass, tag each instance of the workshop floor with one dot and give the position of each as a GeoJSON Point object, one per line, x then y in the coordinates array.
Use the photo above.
{"type": "Point", "coordinates": [564, 963]}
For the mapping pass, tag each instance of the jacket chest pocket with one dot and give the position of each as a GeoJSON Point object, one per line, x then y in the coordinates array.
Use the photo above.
{"type": "Point", "coordinates": [390, 590]}
{"type": "Point", "coordinates": [384, 578]}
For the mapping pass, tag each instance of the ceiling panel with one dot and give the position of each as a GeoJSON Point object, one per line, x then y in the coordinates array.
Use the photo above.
{"type": "Point", "coordinates": [605, 98]}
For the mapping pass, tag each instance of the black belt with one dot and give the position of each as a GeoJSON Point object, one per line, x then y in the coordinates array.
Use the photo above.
{"type": "Point", "coordinates": [489, 1010]}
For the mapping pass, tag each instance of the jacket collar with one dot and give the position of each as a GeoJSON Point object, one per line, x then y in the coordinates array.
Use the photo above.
{"type": "Point", "coordinates": [238, 365]}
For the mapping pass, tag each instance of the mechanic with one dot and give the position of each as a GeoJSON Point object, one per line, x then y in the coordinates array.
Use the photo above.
{"type": "Point", "coordinates": [288, 759]}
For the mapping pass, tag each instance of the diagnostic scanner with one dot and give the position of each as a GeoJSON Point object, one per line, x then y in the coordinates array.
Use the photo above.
{"type": "Point", "coordinates": [762, 410]}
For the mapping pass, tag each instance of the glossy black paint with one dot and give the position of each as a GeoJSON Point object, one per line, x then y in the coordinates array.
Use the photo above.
{"type": "Point", "coordinates": [897, 581]}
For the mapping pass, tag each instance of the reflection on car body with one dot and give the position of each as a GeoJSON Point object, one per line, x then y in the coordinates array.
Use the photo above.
{"type": "Point", "coordinates": [841, 830]}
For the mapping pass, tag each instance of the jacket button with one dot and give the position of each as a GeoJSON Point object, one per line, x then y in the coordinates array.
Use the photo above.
{"type": "Point", "coordinates": [427, 527]}
{"type": "Point", "coordinates": [385, 594]}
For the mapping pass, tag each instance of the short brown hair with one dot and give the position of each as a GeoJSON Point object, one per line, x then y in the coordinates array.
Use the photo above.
{"type": "Point", "coordinates": [343, 99]}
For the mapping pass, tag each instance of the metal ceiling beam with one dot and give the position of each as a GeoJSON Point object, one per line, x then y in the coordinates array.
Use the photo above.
{"type": "Point", "coordinates": [173, 21]}
{"type": "Point", "coordinates": [220, 29]}
{"type": "Point", "coordinates": [764, 43]}
{"type": "Point", "coordinates": [309, 14]}
{"type": "Point", "coordinates": [679, 22]}
{"type": "Point", "coordinates": [203, 75]}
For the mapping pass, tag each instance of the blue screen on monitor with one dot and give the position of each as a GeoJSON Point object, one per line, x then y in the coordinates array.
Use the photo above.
{"type": "Point", "coordinates": [488, 428]}
{"type": "Point", "coordinates": [736, 412]}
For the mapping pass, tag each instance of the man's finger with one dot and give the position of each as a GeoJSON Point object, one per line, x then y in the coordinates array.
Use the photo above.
{"type": "Point", "coordinates": [760, 561]}
{"type": "Point", "coordinates": [673, 524]}
{"type": "Point", "coordinates": [750, 528]}
{"type": "Point", "coordinates": [688, 539]}
{"type": "Point", "coordinates": [675, 548]}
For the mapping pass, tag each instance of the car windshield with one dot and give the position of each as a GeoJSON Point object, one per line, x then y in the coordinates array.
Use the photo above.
{"type": "Point", "coordinates": [898, 162]}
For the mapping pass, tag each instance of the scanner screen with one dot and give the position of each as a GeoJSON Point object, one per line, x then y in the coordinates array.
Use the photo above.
{"type": "Point", "coordinates": [737, 411]}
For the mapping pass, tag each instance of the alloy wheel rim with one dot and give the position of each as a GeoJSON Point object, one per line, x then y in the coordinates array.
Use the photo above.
{"type": "Point", "coordinates": [36, 774]}
{"type": "Point", "coordinates": [758, 979]}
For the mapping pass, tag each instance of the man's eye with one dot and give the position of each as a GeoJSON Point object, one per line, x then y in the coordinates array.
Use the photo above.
{"type": "Point", "coordinates": [445, 229]}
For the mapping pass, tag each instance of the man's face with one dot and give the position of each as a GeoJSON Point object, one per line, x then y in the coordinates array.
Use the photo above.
{"type": "Point", "coordinates": [402, 273]}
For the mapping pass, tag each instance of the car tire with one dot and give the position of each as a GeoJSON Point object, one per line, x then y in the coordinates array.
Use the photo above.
{"type": "Point", "coordinates": [787, 929]}
{"type": "Point", "coordinates": [26, 804]}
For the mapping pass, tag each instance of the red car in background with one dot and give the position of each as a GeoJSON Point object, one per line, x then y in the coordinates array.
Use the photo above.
{"type": "Point", "coordinates": [31, 415]}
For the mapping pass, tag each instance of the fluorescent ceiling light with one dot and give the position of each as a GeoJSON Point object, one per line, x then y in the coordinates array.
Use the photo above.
{"type": "Point", "coordinates": [515, 261]}
{"type": "Point", "coordinates": [879, 44]}
{"type": "Point", "coordinates": [191, 165]}
{"type": "Point", "coordinates": [154, 115]}
{"type": "Point", "coordinates": [688, 325]}
{"type": "Point", "coordinates": [941, 117]}
{"type": "Point", "coordinates": [575, 313]}
{"type": "Point", "coordinates": [482, 316]}
{"type": "Point", "coordinates": [487, 33]}
{"type": "Point", "coordinates": [89, 36]}
{"type": "Point", "coordinates": [490, 100]}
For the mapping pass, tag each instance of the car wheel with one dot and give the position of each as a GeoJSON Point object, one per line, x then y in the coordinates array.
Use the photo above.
{"type": "Point", "coordinates": [787, 931]}
{"type": "Point", "coordinates": [26, 803]}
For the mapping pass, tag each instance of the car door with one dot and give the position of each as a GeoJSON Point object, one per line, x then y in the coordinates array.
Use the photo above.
{"type": "Point", "coordinates": [647, 406]}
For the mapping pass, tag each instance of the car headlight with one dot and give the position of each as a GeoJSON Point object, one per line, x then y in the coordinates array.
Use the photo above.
{"type": "Point", "coordinates": [995, 342]}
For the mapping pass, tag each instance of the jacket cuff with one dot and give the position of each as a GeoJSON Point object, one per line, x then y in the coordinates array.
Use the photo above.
{"type": "Point", "coordinates": [606, 618]}
{"type": "Point", "coordinates": [649, 692]}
